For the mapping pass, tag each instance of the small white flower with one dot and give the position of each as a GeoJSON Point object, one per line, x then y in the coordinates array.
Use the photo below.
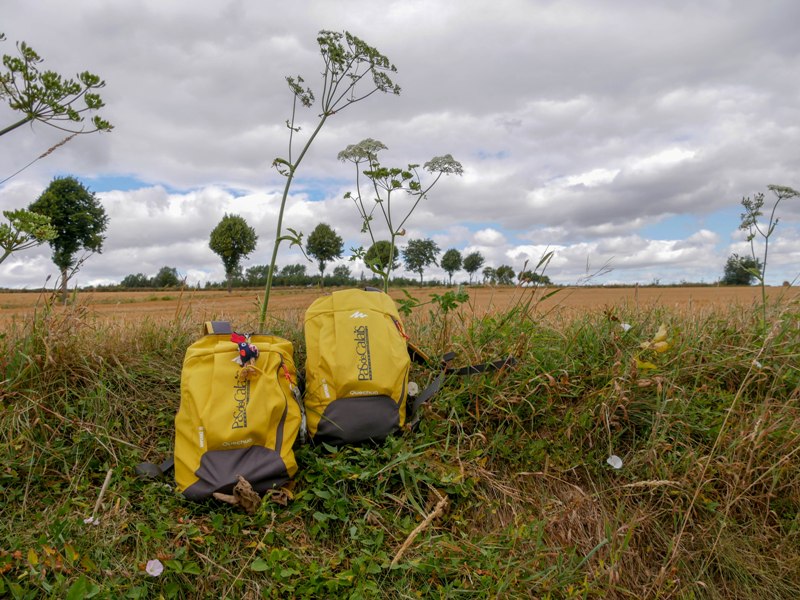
{"type": "Point", "coordinates": [92, 520]}
{"type": "Point", "coordinates": [757, 365]}
{"type": "Point", "coordinates": [615, 461]}
{"type": "Point", "coordinates": [154, 567]}
{"type": "Point", "coordinates": [626, 326]}
{"type": "Point", "coordinates": [413, 388]}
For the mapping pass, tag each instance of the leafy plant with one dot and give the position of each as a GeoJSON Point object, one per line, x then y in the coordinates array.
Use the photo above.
{"type": "Point", "coordinates": [46, 96]}
{"type": "Point", "coordinates": [751, 224]}
{"type": "Point", "coordinates": [385, 182]}
{"type": "Point", "coordinates": [353, 71]}
{"type": "Point", "coordinates": [25, 229]}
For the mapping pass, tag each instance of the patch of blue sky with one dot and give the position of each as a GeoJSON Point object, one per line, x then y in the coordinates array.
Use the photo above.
{"type": "Point", "coordinates": [725, 221]}
{"type": "Point", "coordinates": [722, 222]}
{"type": "Point", "coordinates": [488, 155]}
{"type": "Point", "coordinates": [671, 228]}
{"type": "Point", "coordinates": [114, 183]}
{"type": "Point", "coordinates": [320, 189]}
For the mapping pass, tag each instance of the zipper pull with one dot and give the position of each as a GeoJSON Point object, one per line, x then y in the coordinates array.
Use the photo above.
{"type": "Point", "coordinates": [399, 327]}
{"type": "Point", "coordinates": [286, 374]}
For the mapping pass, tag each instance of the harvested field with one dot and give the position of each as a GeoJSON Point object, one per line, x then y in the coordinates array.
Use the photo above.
{"type": "Point", "coordinates": [241, 305]}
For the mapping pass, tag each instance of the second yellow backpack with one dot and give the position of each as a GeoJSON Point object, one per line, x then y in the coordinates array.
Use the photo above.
{"type": "Point", "coordinates": [357, 367]}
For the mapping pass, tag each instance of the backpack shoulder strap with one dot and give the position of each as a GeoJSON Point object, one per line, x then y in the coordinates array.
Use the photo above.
{"type": "Point", "coordinates": [217, 327]}
{"type": "Point", "coordinates": [148, 470]}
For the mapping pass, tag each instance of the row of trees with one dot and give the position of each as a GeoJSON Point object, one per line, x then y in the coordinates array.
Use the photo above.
{"type": "Point", "coordinates": [298, 275]}
{"type": "Point", "coordinates": [234, 240]}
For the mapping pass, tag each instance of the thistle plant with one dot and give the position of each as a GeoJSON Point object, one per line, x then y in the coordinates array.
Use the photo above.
{"type": "Point", "coordinates": [751, 224]}
{"type": "Point", "coordinates": [353, 71]}
{"type": "Point", "coordinates": [387, 183]}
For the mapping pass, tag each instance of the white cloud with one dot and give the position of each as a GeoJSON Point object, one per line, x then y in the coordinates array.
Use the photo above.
{"type": "Point", "coordinates": [489, 237]}
{"type": "Point", "coordinates": [596, 131]}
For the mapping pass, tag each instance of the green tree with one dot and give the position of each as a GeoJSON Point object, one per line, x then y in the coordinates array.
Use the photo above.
{"type": "Point", "coordinates": [489, 275]}
{"type": "Point", "coordinates": [451, 262]}
{"type": "Point", "coordinates": [472, 262]}
{"type": "Point", "coordinates": [325, 245]}
{"type": "Point", "coordinates": [741, 270]}
{"type": "Point", "coordinates": [381, 257]}
{"type": "Point", "coordinates": [341, 274]}
{"type": "Point", "coordinates": [24, 230]}
{"type": "Point", "coordinates": [353, 70]}
{"type": "Point", "coordinates": [139, 280]}
{"type": "Point", "coordinates": [505, 275]}
{"type": "Point", "coordinates": [534, 278]}
{"type": "Point", "coordinates": [419, 254]}
{"type": "Point", "coordinates": [166, 277]}
{"type": "Point", "coordinates": [256, 275]}
{"type": "Point", "coordinates": [293, 275]}
{"type": "Point", "coordinates": [232, 240]}
{"type": "Point", "coordinates": [78, 218]}
{"type": "Point", "coordinates": [46, 96]}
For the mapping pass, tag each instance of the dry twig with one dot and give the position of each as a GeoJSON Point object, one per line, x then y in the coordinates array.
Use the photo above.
{"type": "Point", "coordinates": [437, 511]}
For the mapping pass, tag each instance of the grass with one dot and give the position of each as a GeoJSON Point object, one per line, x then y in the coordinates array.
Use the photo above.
{"type": "Point", "coordinates": [705, 505]}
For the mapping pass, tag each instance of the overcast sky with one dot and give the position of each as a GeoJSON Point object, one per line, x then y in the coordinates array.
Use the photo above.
{"type": "Point", "coordinates": [619, 133]}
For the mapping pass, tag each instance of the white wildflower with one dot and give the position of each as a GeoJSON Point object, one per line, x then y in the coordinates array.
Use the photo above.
{"type": "Point", "coordinates": [154, 567]}
{"type": "Point", "coordinates": [615, 461]}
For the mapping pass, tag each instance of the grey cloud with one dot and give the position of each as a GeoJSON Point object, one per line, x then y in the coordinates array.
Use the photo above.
{"type": "Point", "coordinates": [528, 95]}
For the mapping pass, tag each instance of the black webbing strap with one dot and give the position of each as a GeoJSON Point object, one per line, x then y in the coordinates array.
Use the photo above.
{"type": "Point", "coordinates": [415, 406]}
{"type": "Point", "coordinates": [147, 470]}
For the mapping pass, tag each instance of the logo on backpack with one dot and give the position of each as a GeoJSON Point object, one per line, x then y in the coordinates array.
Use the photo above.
{"type": "Point", "coordinates": [358, 315]}
{"type": "Point", "coordinates": [241, 398]}
{"type": "Point", "coordinates": [361, 338]}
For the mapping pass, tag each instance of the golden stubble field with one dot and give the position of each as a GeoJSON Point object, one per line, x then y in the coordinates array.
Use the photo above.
{"type": "Point", "coordinates": [241, 305]}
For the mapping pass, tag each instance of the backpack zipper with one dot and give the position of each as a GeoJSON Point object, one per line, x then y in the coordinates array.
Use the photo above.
{"type": "Point", "coordinates": [297, 397]}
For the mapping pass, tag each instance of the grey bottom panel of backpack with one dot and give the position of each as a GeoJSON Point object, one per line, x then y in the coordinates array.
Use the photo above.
{"type": "Point", "coordinates": [357, 420]}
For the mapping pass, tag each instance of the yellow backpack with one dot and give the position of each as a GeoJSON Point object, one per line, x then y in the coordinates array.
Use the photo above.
{"type": "Point", "coordinates": [357, 365]}
{"type": "Point", "coordinates": [236, 419]}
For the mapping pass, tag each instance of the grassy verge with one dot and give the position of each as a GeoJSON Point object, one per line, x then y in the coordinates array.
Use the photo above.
{"type": "Point", "coordinates": [506, 485]}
